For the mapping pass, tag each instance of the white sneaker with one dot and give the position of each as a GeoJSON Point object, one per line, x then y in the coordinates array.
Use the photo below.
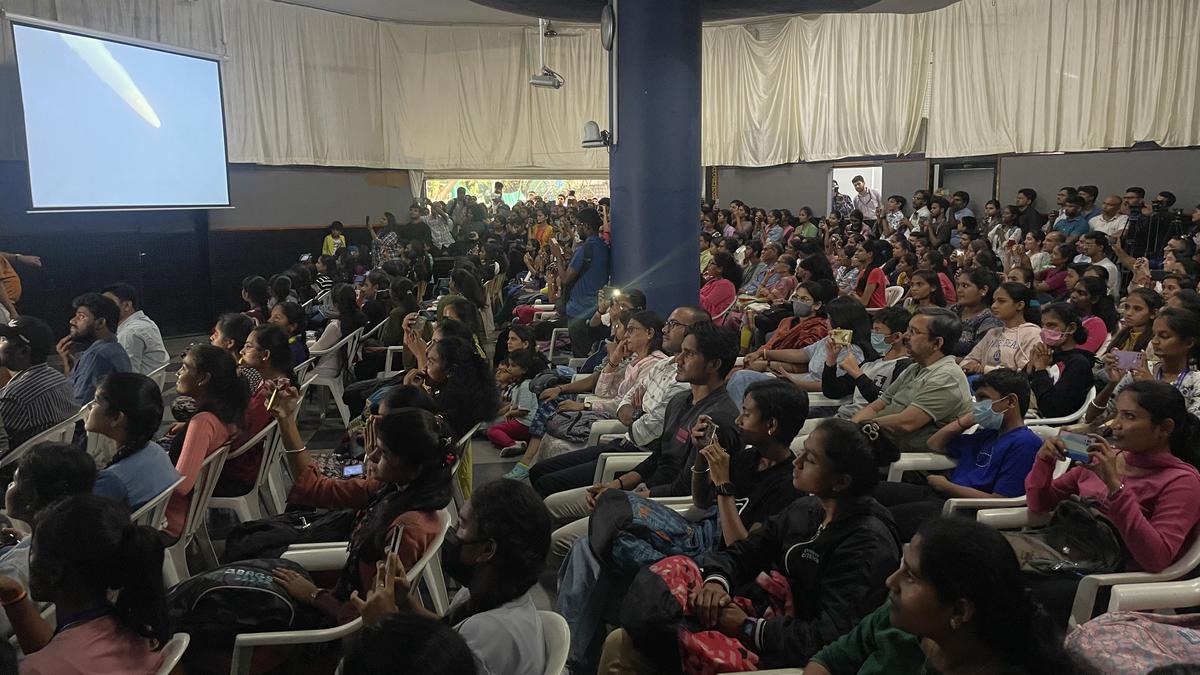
{"type": "Point", "coordinates": [515, 449]}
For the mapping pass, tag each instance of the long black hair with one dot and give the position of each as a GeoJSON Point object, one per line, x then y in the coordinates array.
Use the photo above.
{"type": "Point", "coordinates": [228, 394]}
{"type": "Point", "coordinates": [1164, 402]}
{"type": "Point", "coordinates": [880, 252]}
{"type": "Point", "coordinates": [937, 296]}
{"type": "Point", "coordinates": [469, 395]}
{"type": "Point", "coordinates": [729, 268]}
{"type": "Point", "coordinates": [858, 451]}
{"type": "Point", "coordinates": [345, 301]}
{"type": "Point", "coordinates": [1021, 293]}
{"type": "Point", "coordinates": [468, 287]}
{"type": "Point", "coordinates": [965, 560]}
{"type": "Point", "coordinates": [140, 400]}
{"type": "Point", "coordinates": [281, 288]}
{"type": "Point", "coordinates": [294, 314]}
{"type": "Point", "coordinates": [256, 288]}
{"type": "Point", "coordinates": [848, 313]}
{"type": "Point", "coordinates": [1102, 303]}
{"type": "Point", "coordinates": [423, 442]}
{"type": "Point", "coordinates": [274, 340]}
{"type": "Point", "coordinates": [88, 541]}
{"type": "Point", "coordinates": [235, 327]}
{"type": "Point", "coordinates": [47, 473]}
{"type": "Point", "coordinates": [780, 401]}
{"type": "Point", "coordinates": [1154, 302]}
{"type": "Point", "coordinates": [467, 312]}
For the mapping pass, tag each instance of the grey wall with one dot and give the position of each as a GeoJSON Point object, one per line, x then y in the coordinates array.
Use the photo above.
{"type": "Point", "coordinates": [304, 197]}
{"type": "Point", "coordinates": [790, 186]}
{"type": "Point", "coordinates": [1112, 172]}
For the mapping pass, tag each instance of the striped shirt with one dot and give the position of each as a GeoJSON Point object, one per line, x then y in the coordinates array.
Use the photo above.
{"type": "Point", "coordinates": [34, 400]}
{"type": "Point", "coordinates": [658, 385]}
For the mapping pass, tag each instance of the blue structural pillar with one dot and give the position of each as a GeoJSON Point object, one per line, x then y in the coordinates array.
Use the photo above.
{"type": "Point", "coordinates": [654, 166]}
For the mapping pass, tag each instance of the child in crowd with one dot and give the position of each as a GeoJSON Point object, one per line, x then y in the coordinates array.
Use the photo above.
{"type": "Point", "coordinates": [516, 373]}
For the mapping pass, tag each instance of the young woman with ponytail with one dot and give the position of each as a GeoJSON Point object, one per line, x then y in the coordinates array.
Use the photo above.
{"type": "Point", "coordinates": [1144, 479]}
{"type": "Point", "coordinates": [833, 548]}
{"type": "Point", "coordinates": [129, 410]}
{"type": "Point", "coordinates": [957, 604]}
{"type": "Point", "coordinates": [85, 554]}
{"type": "Point", "coordinates": [410, 452]}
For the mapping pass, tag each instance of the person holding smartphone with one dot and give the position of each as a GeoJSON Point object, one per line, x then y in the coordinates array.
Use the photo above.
{"type": "Point", "coordinates": [411, 453]}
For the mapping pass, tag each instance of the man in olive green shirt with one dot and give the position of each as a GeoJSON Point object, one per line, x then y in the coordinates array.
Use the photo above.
{"type": "Point", "coordinates": [930, 394]}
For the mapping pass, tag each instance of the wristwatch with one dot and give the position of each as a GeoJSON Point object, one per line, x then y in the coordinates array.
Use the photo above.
{"type": "Point", "coordinates": [726, 490]}
{"type": "Point", "coordinates": [587, 405]}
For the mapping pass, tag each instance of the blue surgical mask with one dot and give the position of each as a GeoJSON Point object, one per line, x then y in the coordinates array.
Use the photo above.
{"type": "Point", "coordinates": [879, 342]}
{"type": "Point", "coordinates": [985, 416]}
{"type": "Point", "coordinates": [801, 309]}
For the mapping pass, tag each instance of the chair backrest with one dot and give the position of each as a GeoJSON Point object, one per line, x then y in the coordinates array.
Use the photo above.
{"type": "Point", "coordinates": [173, 652]}
{"type": "Point", "coordinates": [159, 375]}
{"type": "Point", "coordinates": [1069, 419]}
{"type": "Point", "coordinates": [303, 368]}
{"type": "Point", "coordinates": [378, 327]}
{"type": "Point", "coordinates": [557, 635]}
{"type": "Point", "coordinates": [272, 453]}
{"type": "Point", "coordinates": [414, 573]}
{"type": "Point", "coordinates": [206, 482]}
{"type": "Point", "coordinates": [264, 436]}
{"type": "Point", "coordinates": [59, 433]}
{"type": "Point", "coordinates": [892, 294]}
{"type": "Point", "coordinates": [153, 512]}
{"type": "Point", "coordinates": [342, 350]}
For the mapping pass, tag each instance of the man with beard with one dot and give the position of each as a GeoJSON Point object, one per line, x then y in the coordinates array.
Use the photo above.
{"type": "Point", "coordinates": [91, 351]}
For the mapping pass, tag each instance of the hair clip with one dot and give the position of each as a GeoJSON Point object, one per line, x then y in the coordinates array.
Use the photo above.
{"type": "Point", "coordinates": [870, 430]}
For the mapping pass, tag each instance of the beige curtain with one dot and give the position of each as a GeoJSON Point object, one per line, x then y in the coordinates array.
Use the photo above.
{"type": "Point", "coordinates": [823, 88]}
{"type": "Point", "coordinates": [1063, 75]}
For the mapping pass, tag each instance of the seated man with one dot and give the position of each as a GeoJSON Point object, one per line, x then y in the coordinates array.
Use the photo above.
{"type": "Point", "coordinates": [706, 357]}
{"type": "Point", "coordinates": [91, 351]}
{"type": "Point", "coordinates": [641, 410]}
{"type": "Point", "coordinates": [136, 333]}
{"type": "Point", "coordinates": [929, 394]}
{"type": "Point", "coordinates": [992, 462]}
{"type": "Point", "coordinates": [37, 397]}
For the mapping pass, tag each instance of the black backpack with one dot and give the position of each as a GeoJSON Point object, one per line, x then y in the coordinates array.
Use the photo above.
{"type": "Point", "coordinates": [270, 537]}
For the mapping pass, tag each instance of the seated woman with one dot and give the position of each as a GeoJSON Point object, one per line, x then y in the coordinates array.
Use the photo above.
{"type": "Point", "coordinates": [410, 458]}
{"type": "Point", "coordinates": [780, 283]}
{"type": "Point", "coordinates": [104, 576]}
{"type": "Point", "coordinates": [47, 474]}
{"type": "Point", "coordinates": [1063, 393]}
{"type": "Point", "coordinates": [229, 334]}
{"type": "Point", "coordinates": [992, 462]}
{"type": "Point", "coordinates": [748, 486]}
{"type": "Point", "coordinates": [267, 352]}
{"type": "Point", "coordinates": [129, 410]}
{"type": "Point", "coordinates": [957, 604]}
{"type": "Point", "coordinates": [804, 367]}
{"type": "Point", "coordinates": [256, 293]}
{"type": "Point", "coordinates": [830, 552]}
{"type": "Point", "coordinates": [722, 278]}
{"type": "Point", "coordinates": [1137, 310]}
{"type": "Point", "coordinates": [1145, 483]}
{"type": "Point", "coordinates": [924, 290]}
{"type": "Point", "coordinates": [289, 316]}
{"type": "Point", "coordinates": [1006, 347]}
{"type": "Point", "coordinates": [1051, 283]}
{"type": "Point", "coordinates": [975, 288]}
{"type": "Point", "coordinates": [630, 359]}
{"type": "Point", "coordinates": [1090, 296]}
{"type": "Point", "coordinates": [871, 287]}
{"type": "Point", "coordinates": [497, 554]}
{"type": "Point", "coordinates": [806, 326]}
{"type": "Point", "coordinates": [1176, 345]}
{"type": "Point", "coordinates": [464, 389]}
{"type": "Point", "coordinates": [348, 319]}
{"type": "Point", "coordinates": [209, 376]}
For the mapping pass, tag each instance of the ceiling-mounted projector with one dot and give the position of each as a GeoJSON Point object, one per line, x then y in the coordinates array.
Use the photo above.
{"type": "Point", "coordinates": [547, 78]}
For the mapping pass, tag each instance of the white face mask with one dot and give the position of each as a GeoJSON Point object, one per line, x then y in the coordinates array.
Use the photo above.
{"type": "Point", "coordinates": [606, 319]}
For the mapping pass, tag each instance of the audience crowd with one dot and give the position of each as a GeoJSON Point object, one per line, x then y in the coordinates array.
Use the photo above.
{"type": "Point", "coordinates": [702, 490]}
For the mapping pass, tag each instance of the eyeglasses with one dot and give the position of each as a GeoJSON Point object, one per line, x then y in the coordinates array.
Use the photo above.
{"type": "Point", "coordinates": [671, 324]}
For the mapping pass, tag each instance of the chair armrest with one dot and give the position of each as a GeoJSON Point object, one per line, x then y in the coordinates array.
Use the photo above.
{"type": "Point", "coordinates": [319, 559]}
{"type": "Point", "coordinates": [601, 427]}
{"type": "Point", "coordinates": [543, 307]}
{"type": "Point", "coordinates": [919, 461]}
{"type": "Point", "coordinates": [959, 504]}
{"type": "Point", "coordinates": [818, 400]}
{"type": "Point", "coordinates": [1160, 595]}
{"type": "Point", "coordinates": [576, 362]}
{"type": "Point", "coordinates": [1011, 518]}
{"type": "Point", "coordinates": [1089, 588]}
{"type": "Point", "coordinates": [608, 464]}
{"type": "Point", "coordinates": [739, 361]}
{"type": "Point", "coordinates": [609, 438]}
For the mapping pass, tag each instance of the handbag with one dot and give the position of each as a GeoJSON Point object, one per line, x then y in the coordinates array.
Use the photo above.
{"type": "Point", "coordinates": [1079, 540]}
{"type": "Point", "coordinates": [270, 537]}
{"type": "Point", "coordinates": [573, 426]}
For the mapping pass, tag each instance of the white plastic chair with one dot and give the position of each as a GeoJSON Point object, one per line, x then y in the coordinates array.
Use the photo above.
{"type": "Point", "coordinates": [893, 294]}
{"type": "Point", "coordinates": [1156, 597]}
{"type": "Point", "coordinates": [249, 506]}
{"type": "Point", "coordinates": [159, 375]}
{"type": "Point", "coordinates": [175, 567]}
{"type": "Point", "coordinates": [279, 477]}
{"type": "Point", "coordinates": [463, 446]}
{"type": "Point", "coordinates": [959, 504]}
{"type": "Point", "coordinates": [388, 370]}
{"type": "Point", "coordinates": [919, 461]}
{"type": "Point", "coordinates": [1089, 586]}
{"type": "Point", "coordinates": [557, 635]}
{"type": "Point", "coordinates": [153, 512]}
{"type": "Point", "coordinates": [1062, 421]}
{"type": "Point", "coordinates": [554, 340]}
{"type": "Point", "coordinates": [59, 433]}
{"type": "Point", "coordinates": [609, 464]}
{"type": "Point", "coordinates": [323, 559]}
{"type": "Point", "coordinates": [376, 329]}
{"type": "Point", "coordinates": [343, 351]}
{"type": "Point", "coordinates": [601, 428]}
{"type": "Point", "coordinates": [303, 368]}
{"type": "Point", "coordinates": [173, 652]}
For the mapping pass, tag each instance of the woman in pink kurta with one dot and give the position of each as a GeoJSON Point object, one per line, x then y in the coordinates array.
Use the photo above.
{"type": "Point", "coordinates": [722, 278]}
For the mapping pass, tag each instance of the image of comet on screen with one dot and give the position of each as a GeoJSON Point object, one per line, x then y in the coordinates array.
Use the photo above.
{"type": "Point", "coordinates": [110, 71]}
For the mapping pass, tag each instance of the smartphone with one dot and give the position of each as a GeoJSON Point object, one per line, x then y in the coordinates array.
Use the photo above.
{"type": "Point", "coordinates": [305, 257]}
{"type": "Point", "coordinates": [1128, 360]}
{"type": "Point", "coordinates": [351, 470]}
{"type": "Point", "coordinates": [710, 435]}
{"type": "Point", "coordinates": [1077, 445]}
{"type": "Point", "coordinates": [841, 336]}
{"type": "Point", "coordinates": [394, 541]}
